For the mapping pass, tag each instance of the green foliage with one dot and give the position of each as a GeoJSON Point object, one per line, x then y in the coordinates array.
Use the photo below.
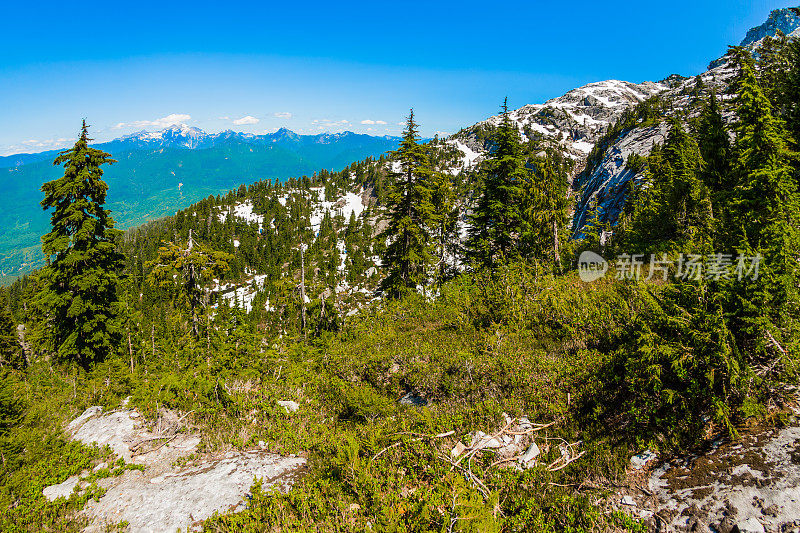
{"type": "Point", "coordinates": [189, 270]}
{"type": "Point", "coordinates": [672, 214]}
{"type": "Point", "coordinates": [78, 289]}
{"type": "Point", "coordinates": [408, 256]}
{"type": "Point", "coordinates": [499, 221]}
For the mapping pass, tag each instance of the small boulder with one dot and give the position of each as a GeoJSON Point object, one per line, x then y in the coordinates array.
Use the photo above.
{"type": "Point", "coordinates": [62, 490]}
{"type": "Point", "coordinates": [627, 500]}
{"type": "Point", "coordinates": [413, 399]}
{"type": "Point", "coordinates": [289, 405]}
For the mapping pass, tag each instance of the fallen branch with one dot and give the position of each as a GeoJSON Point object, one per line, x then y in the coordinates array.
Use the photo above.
{"type": "Point", "coordinates": [398, 443]}
{"type": "Point", "coordinates": [571, 460]}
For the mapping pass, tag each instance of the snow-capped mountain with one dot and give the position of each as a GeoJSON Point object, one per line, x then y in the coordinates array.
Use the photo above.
{"type": "Point", "coordinates": [175, 136]}
{"type": "Point", "coordinates": [190, 137]}
{"type": "Point", "coordinates": [577, 119]}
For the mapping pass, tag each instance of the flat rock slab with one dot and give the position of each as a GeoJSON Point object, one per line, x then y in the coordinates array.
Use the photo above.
{"type": "Point", "coordinates": [164, 498]}
{"type": "Point", "coordinates": [751, 485]}
{"type": "Point", "coordinates": [179, 500]}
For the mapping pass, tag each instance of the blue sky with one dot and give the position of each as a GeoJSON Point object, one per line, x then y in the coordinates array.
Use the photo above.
{"type": "Point", "coordinates": [331, 66]}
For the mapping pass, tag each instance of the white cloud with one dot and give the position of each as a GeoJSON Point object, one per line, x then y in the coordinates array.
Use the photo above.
{"type": "Point", "coordinates": [371, 122]}
{"type": "Point", "coordinates": [328, 123]}
{"type": "Point", "coordinates": [282, 114]}
{"type": "Point", "coordinates": [34, 145]}
{"type": "Point", "coordinates": [224, 118]}
{"type": "Point", "coordinates": [246, 120]}
{"type": "Point", "coordinates": [442, 134]}
{"type": "Point", "coordinates": [163, 122]}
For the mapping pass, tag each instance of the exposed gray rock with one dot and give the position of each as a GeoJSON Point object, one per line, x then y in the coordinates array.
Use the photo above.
{"type": "Point", "coordinates": [178, 500]}
{"type": "Point", "coordinates": [752, 485]}
{"type": "Point", "coordinates": [62, 490]}
{"type": "Point", "coordinates": [413, 399]}
{"type": "Point", "coordinates": [289, 405]}
{"type": "Point", "coordinates": [639, 461]}
{"type": "Point", "coordinates": [751, 525]}
{"type": "Point", "coordinates": [163, 497]}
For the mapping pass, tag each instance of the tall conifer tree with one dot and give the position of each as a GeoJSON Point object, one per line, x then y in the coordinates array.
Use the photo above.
{"type": "Point", "coordinates": [78, 294]}
{"type": "Point", "coordinates": [546, 213]}
{"type": "Point", "coordinates": [407, 257]}
{"type": "Point", "coordinates": [498, 221]}
{"type": "Point", "coordinates": [765, 215]}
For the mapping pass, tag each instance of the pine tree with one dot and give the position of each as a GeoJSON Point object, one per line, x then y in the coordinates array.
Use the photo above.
{"type": "Point", "coordinates": [715, 148]}
{"type": "Point", "coordinates": [546, 214]}
{"type": "Point", "coordinates": [78, 294]}
{"type": "Point", "coordinates": [765, 217]}
{"type": "Point", "coordinates": [498, 221]}
{"type": "Point", "coordinates": [188, 270]}
{"type": "Point", "coordinates": [791, 92]}
{"type": "Point", "coordinates": [407, 257]}
{"type": "Point", "coordinates": [444, 224]}
{"type": "Point", "coordinates": [673, 213]}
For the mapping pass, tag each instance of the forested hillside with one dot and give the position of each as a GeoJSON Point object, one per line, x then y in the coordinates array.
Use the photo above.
{"type": "Point", "coordinates": [159, 173]}
{"type": "Point", "coordinates": [420, 328]}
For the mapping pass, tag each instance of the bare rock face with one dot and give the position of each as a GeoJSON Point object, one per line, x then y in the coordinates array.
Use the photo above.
{"type": "Point", "coordinates": [182, 499]}
{"type": "Point", "coordinates": [750, 485]}
{"type": "Point", "coordinates": [163, 497]}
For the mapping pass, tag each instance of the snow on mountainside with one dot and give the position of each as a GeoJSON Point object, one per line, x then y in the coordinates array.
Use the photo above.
{"type": "Point", "coordinates": [577, 119]}
{"type": "Point", "coordinates": [605, 185]}
{"type": "Point", "coordinates": [190, 137]}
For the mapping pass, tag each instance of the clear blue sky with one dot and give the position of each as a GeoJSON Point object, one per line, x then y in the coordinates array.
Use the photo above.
{"type": "Point", "coordinates": [327, 65]}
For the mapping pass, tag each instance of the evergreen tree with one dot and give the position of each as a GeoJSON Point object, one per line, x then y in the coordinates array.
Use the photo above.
{"type": "Point", "coordinates": [791, 92]}
{"type": "Point", "coordinates": [498, 221]}
{"type": "Point", "coordinates": [10, 350]}
{"type": "Point", "coordinates": [673, 213]}
{"type": "Point", "coordinates": [765, 217]}
{"type": "Point", "coordinates": [78, 294]}
{"type": "Point", "coordinates": [715, 148]}
{"type": "Point", "coordinates": [444, 224]}
{"type": "Point", "coordinates": [188, 270]}
{"type": "Point", "coordinates": [407, 257]}
{"type": "Point", "coordinates": [546, 213]}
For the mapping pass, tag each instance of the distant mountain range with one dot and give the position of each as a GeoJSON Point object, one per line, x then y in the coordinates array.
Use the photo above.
{"type": "Point", "coordinates": [160, 172]}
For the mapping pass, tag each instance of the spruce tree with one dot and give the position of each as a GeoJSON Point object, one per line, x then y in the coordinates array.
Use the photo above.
{"type": "Point", "coordinates": [188, 270]}
{"type": "Point", "coordinates": [546, 214]}
{"type": "Point", "coordinates": [765, 217]}
{"type": "Point", "coordinates": [791, 92]}
{"type": "Point", "coordinates": [78, 291]}
{"type": "Point", "coordinates": [407, 257]}
{"type": "Point", "coordinates": [498, 221]}
{"type": "Point", "coordinates": [673, 214]}
{"type": "Point", "coordinates": [715, 148]}
{"type": "Point", "coordinates": [444, 224]}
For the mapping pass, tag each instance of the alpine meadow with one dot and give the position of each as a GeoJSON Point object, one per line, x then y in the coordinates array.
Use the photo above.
{"type": "Point", "coordinates": [581, 315]}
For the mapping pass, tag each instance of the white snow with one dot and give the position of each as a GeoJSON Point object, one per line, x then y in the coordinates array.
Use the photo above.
{"type": "Point", "coordinates": [470, 156]}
